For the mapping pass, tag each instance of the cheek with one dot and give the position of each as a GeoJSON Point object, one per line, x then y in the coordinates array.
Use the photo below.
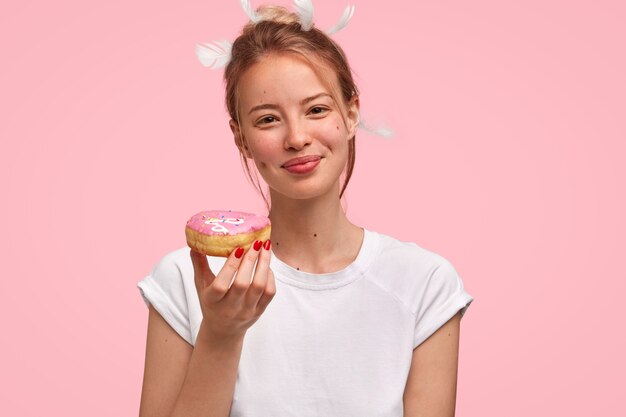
{"type": "Point", "coordinates": [263, 152]}
{"type": "Point", "coordinates": [260, 155]}
{"type": "Point", "coordinates": [336, 132]}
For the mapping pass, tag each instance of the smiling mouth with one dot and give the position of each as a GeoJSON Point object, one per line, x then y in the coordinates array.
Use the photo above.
{"type": "Point", "coordinates": [302, 165]}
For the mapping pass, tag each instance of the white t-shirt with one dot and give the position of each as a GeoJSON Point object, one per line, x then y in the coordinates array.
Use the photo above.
{"type": "Point", "coordinates": [337, 344]}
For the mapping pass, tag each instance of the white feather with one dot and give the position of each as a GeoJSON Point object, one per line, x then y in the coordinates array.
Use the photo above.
{"type": "Point", "coordinates": [245, 5]}
{"type": "Point", "coordinates": [215, 54]}
{"type": "Point", "coordinates": [378, 131]}
{"type": "Point", "coordinates": [304, 9]}
{"type": "Point", "coordinates": [345, 18]}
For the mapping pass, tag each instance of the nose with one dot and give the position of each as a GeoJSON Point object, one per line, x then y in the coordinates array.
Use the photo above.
{"type": "Point", "coordinates": [297, 136]}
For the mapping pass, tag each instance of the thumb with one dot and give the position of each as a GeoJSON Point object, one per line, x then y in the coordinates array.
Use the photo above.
{"type": "Point", "coordinates": [202, 274]}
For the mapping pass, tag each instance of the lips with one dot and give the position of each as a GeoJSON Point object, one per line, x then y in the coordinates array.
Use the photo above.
{"type": "Point", "coordinates": [302, 165]}
{"type": "Point", "coordinates": [301, 161]}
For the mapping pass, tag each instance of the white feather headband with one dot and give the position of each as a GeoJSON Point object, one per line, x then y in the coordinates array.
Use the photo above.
{"type": "Point", "coordinates": [217, 54]}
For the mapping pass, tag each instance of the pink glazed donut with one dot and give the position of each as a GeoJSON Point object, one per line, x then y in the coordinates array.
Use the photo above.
{"type": "Point", "coordinates": [219, 232]}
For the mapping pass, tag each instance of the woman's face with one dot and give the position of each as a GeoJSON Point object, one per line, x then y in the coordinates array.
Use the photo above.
{"type": "Point", "coordinates": [293, 129]}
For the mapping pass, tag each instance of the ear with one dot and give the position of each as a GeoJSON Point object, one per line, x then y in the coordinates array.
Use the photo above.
{"type": "Point", "coordinates": [353, 115]}
{"type": "Point", "coordinates": [238, 136]}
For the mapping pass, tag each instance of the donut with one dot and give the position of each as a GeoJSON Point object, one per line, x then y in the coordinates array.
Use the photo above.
{"type": "Point", "coordinates": [219, 232]}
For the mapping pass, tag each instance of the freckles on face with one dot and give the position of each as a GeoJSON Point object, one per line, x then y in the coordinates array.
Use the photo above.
{"type": "Point", "coordinates": [275, 87]}
{"type": "Point", "coordinates": [287, 112]}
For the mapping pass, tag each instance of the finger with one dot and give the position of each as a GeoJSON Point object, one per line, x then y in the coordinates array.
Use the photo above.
{"type": "Point", "coordinates": [202, 274]}
{"type": "Point", "coordinates": [244, 273]}
{"type": "Point", "coordinates": [268, 294]}
{"type": "Point", "coordinates": [259, 281]}
{"type": "Point", "coordinates": [219, 287]}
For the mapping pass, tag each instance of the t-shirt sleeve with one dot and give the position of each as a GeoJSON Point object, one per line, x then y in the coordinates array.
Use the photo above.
{"type": "Point", "coordinates": [443, 296]}
{"type": "Point", "coordinates": [164, 288]}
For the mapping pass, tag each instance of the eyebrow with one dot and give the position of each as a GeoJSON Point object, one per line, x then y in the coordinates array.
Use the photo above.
{"type": "Point", "coordinates": [274, 106]}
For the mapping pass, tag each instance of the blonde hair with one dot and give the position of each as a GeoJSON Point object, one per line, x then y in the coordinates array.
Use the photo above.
{"type": "Point", "coordinates": [280, 32]}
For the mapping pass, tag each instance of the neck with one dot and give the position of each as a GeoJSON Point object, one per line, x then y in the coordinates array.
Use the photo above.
{"type": "Point", "coordinates": [313, 235]}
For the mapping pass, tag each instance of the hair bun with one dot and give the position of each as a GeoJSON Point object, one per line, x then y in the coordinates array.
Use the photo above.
{"type": "Point", "coordinates": [277, 14]}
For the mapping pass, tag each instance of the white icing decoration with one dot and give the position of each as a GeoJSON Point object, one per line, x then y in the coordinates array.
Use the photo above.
{"type": "Point", "coordinates": [218, 227]}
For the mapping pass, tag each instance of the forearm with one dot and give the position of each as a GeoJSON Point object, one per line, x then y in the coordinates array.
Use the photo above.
{"type": "Point", "coordinates": [210, 381]}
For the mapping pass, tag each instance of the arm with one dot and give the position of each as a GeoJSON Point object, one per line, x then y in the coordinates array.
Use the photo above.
{"type": "Point", "coordinates": [167, 358]}
{"type": "Point", "coordinates": [431, 385]}
{"type": "Point", "coordinates": [187, 381]}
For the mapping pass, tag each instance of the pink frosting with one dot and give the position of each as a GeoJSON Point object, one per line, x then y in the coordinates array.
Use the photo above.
{"type": "Point", "coordinates": [226, 222]}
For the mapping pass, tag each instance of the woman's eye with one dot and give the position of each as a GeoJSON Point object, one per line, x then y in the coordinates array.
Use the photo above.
{"type": "Point", "coordinates": [267, 120]}
{"type": "Point", "coordinates": [318, 110]}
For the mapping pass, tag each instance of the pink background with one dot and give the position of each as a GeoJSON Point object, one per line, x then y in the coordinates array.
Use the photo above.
{"type": "Point", "coordinates": [508, 160]}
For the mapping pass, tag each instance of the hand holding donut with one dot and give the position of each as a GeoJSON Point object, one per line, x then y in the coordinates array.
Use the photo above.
{"type": "Point", "coordinates": [228, 311]}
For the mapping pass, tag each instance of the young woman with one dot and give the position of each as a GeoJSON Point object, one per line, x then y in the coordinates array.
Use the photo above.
{"type": "Point", "coordinates": [327, 319]}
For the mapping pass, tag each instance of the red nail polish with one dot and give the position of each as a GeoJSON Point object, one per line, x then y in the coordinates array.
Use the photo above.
{"type": "Point", "coordinates": [239, 253]}
{"type": "Point", "coordinates": [268, 244]}
{"type": "Point", "coordinates": [257, 245]}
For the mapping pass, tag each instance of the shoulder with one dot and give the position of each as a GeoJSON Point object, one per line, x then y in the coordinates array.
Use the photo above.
{"type": "Point", "coordinates": [172, 263]}
{"type": "Point", "coordinates": [170, 289]}
{"type": "Point", "coordinates": [407, 256]}
{"type": "Point", "coordinates": [425, 281]}
{"type": "Point", "coordinates": [176, 265]}
{"type": "Point", "coordinates": [411, 271]}
{"type": "Point", "coordinates": [173, 275]}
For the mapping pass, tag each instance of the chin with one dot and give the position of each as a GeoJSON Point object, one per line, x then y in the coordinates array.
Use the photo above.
{"type": "Point", "coordinates": [318, 184]}
{"type": "Point", "coordinates": [303, 191]}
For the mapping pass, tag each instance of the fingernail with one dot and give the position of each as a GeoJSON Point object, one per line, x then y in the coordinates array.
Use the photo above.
{"type": "Point", "coordinates": [268, 244]}
{"type": "Point", "coordinates": [238, 253]}
{"type": "Point", "coordinates": [257, 245]}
